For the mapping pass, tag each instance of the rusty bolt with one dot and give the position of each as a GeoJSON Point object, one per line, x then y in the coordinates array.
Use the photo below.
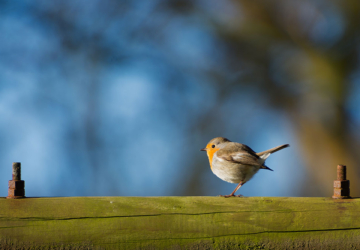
{"type": "Point", "coordinates": [341, 185]}
{"type": "Point", "coordinates": [16, 185]}
{"type": "Point", "coordinates": [16, 171]}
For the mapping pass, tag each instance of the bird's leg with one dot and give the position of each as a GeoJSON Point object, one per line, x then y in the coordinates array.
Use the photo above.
{"type": "Point", "coordinates": [236, 189]}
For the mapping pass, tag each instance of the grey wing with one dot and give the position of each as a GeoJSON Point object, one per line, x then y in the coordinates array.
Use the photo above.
{"type": "Point", "coordinates": [241, 154]}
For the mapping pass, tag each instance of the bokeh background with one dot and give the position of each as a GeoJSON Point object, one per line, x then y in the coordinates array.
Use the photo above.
{"type": "Point", "coordinates": [117, 97]}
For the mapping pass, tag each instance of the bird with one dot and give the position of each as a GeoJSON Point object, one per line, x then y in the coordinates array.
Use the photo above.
{"type": "Point", "coordinates": [235, 162]}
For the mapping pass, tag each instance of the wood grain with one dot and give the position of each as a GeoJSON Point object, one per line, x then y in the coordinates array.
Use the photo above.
{"type": "Point", "coordinates": [179, 223]}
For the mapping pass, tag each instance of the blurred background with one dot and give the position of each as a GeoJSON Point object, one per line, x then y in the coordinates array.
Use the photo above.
{"type": "Point", "coordinates": [117, 97]}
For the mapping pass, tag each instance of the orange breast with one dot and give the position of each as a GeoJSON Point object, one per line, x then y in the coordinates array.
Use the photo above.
{"type": "Point", "coordinates": [210, 153]}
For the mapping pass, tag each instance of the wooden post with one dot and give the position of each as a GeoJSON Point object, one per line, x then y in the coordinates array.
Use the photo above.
{"type": "Point", "coordinates": [179, 223]}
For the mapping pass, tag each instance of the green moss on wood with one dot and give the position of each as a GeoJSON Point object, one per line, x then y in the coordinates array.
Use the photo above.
{"type": "Point", "coordinates": [179, 223]}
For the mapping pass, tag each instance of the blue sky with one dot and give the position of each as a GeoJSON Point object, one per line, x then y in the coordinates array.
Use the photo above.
{"type": "Point", "coordinates": [110, 105]}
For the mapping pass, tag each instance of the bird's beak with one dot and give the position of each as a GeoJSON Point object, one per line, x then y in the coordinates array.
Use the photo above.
{"type": "Point", "coordinates": [203, 149]}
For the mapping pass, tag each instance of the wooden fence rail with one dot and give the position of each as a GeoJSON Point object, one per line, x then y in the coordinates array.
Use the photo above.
{"type": "Point", "coordinates": [179, 223]}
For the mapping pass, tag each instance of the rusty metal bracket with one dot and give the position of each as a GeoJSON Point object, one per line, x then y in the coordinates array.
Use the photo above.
{"type": "Point", "coordinates": [341, 185]}
{"type": "Point", "coordinates": [16, 185]}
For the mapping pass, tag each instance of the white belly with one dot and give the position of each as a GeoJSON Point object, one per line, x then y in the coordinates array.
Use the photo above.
{"type": "Point", "coordinates": [233, 172]}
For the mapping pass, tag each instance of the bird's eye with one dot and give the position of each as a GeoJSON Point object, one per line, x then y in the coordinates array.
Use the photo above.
{"type": "Point", "coordinates": [213, 146]}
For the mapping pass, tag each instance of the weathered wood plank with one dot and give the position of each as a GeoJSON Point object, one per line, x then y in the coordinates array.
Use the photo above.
{"type": "Point", "coordinates": [179, 223]}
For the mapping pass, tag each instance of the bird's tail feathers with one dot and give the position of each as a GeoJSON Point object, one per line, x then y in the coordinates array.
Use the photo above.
{"type": "Point", "coordinates": [265, 154]}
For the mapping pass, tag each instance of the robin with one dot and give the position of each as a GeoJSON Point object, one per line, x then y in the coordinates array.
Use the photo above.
{"type": "Point", "coordinates": [235, 162]}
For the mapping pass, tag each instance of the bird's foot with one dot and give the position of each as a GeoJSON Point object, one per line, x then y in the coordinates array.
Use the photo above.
{"type": "Point", "coordinates": [231, 195]}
